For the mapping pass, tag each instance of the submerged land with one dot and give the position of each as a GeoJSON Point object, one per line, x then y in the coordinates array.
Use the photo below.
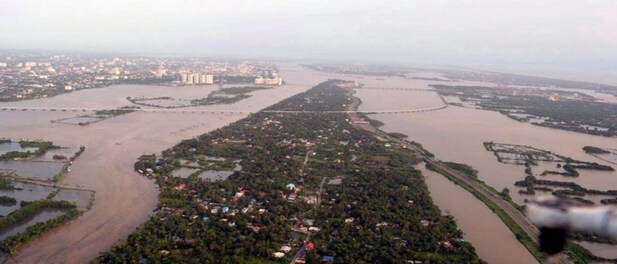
{"type": "Point", "coordinates": [312, 187]}
{"type": "Point", "coordinates": [122, 201]}
{"type": "Point", "coordinates": [567, 110]}
{"type": "Point", "coordinates": [32, 205]}
{"type": "Point", "coordinates": [548, 160]}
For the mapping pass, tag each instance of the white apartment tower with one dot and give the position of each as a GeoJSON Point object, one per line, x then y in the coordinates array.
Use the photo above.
{"type": "Point", "coordinates": [209, 79]}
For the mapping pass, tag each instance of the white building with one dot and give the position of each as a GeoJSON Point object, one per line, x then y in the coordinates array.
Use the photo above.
{"type": "Point", "coordinates": [184, 78]}
{"type": "Point", "coordinates": [269, 81]}
{"type": "Point", "coordinates": [195, 78]}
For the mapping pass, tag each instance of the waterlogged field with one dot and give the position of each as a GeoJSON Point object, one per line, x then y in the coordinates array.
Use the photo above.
{"type": "Point", "coordinates": [81, 198]}
{"type": "Point", "coordinates": [122, 200]}
{"type": "Point", "coordinates": [42, 216]}
{"type": "Point", "coordinates": [30, 204]}
{"type": "Point", "coordinates": [27, 192]}
{"type": "Point", "coordinates": [35, 170]}
{"type": "Point", "coordinates": [13, 146]}
{"type": "Point", "coordinates": [457, 134]}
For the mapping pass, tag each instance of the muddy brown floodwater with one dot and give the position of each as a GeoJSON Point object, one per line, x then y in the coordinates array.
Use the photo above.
{"type": "Point", "coordinates": [457, 134]}
{"type": "Point", "coordinates": [479, 223]}
{"type": "Point", "coordinates": [123, 199]}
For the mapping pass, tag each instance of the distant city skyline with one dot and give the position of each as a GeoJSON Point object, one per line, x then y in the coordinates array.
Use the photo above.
{"type": "Point", "coordinates": [524, 36]}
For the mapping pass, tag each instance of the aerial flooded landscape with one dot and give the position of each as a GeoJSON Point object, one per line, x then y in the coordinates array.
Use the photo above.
{"type": "Point", "coordinates": [412, 132]}
{"type": "Point", "coordinates": [93, 196]}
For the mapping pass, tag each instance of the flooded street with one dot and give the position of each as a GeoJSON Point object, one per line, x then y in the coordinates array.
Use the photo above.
{"type": "Point", "coordinates": [123, 199]}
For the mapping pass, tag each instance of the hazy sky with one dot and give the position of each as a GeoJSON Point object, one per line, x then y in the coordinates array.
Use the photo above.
{"type": "Point", "coordinates": [523, 33]}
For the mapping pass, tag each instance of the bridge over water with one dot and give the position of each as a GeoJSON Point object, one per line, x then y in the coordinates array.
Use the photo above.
{"type": "Point", "coordinates": [183, 110]}
{"type": "Point", "coordinates": [213, 111]}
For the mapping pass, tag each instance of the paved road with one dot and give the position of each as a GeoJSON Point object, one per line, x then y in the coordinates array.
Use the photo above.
{"type": "Point", "coordinates": [301, 253]}
{"type": "Point", "coordinates": [516, 215]}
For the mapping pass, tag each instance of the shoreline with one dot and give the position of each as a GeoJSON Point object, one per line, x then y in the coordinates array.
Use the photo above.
{"type": "Point", "coordinates": [124, 200]}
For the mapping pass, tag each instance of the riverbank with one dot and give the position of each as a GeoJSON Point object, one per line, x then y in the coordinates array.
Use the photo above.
{"type": "Point", "coordinates": [457, 134]}
{"type": "Point", "coordinates": [123, 199]}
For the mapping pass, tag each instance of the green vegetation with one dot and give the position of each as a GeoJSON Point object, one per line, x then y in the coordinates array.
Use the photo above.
{"type": "Point", "coordinates": [41, 145]}
{"type": "Point", "coordinates": [380, 212]}
{"type": "Point", "coordinates": [58, 177]}
{"type": "Point", "coordinates": [221, 96]}
{"type": "Point", "coordinates": [528, 156]}
{"type": "Point", "coordinates": [17, 155]}
{"type": "Point", "coordinates": [78, 153]}
{"type": "Point", "coordinates": [464, 168]}
{"type": "Point", "coordinates": [227, 95]}
{"type": "Point", "coordinates": [41, 148]}
{"type": "Point", "coordinates": [372, 122]}
{"type": "Point", "coordinates": [419, 146]}
{"type": "Point", "coordinates": [580, 254]}
{"type": "Point", "coordinates": [31, 209]}
{"type": "Point", "coordinates": [505, 194]}
{"type": "Point", "coordinates": [520, 234]}
{"type": "Point", "coordinates": [573, 111]}
{"type": "Point", "coordinates": [98, 115]}
{"type": "Point", "coordinates": [243, 90]}
{"type": "Point", "coordinates": [116, 112]}
{"type": "Point", "coordinates": [12, 244]}
{"type": "Point", "coordinates": [6, 184]}
{"type": "Point", "coordinates": [53, 194]}
{"type": "Point", "coordinates": [595, 150]}
{"type": "Point", "coordinates": [572, 188]}
{"type": "Point", "coordinates": [398, 135]}
{"type": "Point", "coordinates": [7, 200]}
{"type": "Point", "coordinates": [59, 157]}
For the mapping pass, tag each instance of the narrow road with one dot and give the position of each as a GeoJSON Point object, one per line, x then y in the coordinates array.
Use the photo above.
{"type": "Point", "coordinates": [306, 158]}
{"type": "Point", "coordinates": [516, 215]}
{"type": "Point", "coordinates": [301, 254]}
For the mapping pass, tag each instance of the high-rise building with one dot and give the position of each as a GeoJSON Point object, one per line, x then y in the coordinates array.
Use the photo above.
{"type": "Point", "coordinates": [269, 81]}
{"type": "Point", "coordinates": [195, 78]}
{"type": "Point", "coordinates": [190, 79]}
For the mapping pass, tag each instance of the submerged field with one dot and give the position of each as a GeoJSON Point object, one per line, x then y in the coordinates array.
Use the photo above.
{"type": "Point", "coordinates": [277, 206]}
{"type": "Point", "coordinates": [29, 200]}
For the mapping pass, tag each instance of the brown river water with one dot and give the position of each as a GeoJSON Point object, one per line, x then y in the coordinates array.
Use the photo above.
{"type": "Point", "coordinates": [456, 134]}
{"type": "Point", "coordinates": [124, 200]}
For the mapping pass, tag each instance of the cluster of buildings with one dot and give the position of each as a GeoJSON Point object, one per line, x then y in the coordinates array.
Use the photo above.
{"type": "Point", "coordinates": [196, 78]}
{"type": "Point", "coordinates": [278, 80]}
{"type": "Point", "coordinates": [37, 75]}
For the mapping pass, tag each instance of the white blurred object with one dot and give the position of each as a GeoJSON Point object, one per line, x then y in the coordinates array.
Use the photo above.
{"type": "Point", "coordinates": [571, 215]}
